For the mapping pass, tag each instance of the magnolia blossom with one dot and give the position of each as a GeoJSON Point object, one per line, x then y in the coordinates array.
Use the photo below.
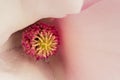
{"type": "Point", "coordinates": [89, 49]}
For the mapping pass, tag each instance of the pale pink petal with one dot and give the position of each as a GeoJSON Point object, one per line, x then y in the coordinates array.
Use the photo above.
{"type": "Point", "coordinates": [88, 3]}
{"type": "Point", "coordinates": [91, 42]}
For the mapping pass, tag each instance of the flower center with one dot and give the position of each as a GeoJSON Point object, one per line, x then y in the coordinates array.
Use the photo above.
{"type": "Point", "coordinates": [40, 40]}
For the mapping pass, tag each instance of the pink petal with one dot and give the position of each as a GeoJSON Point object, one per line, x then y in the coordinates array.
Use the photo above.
{"type": "Point", "coordinates": [92, 42]}
{"type": "Point", "coordinates": [88, 3]}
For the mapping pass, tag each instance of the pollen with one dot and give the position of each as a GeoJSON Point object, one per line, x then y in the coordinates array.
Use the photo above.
{"type": "Point", "coordinates": [40, 40]}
